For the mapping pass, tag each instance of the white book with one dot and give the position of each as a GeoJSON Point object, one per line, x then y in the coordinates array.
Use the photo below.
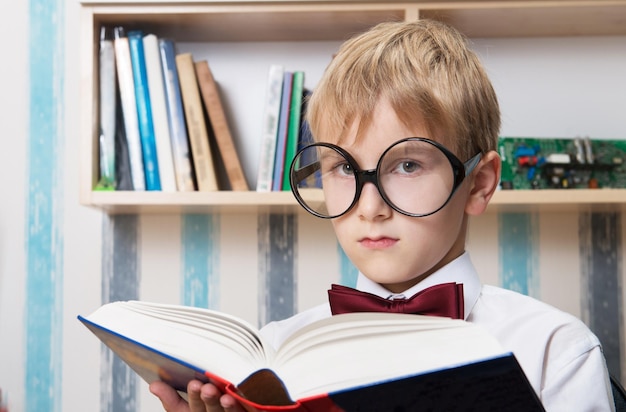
{"type": "Point", "coordinates": [270, 128]}
{"type": "Point", "coordinates": [159, 112]}
{"type": "Point", "coordinates": [353, 362]}
{"type": "Point", "coordinates": [129, 107]}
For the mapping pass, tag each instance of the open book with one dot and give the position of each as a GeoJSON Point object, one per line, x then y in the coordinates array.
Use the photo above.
{"type": "Point", "coordinates": [360, 361]}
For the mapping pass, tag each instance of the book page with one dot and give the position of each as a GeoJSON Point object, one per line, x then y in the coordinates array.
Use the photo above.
{"type": "Point", "coordinates": [205, 322]}
{"type": "Point", "coordinates": [190, 335]}
{"type": "Point", "coordinates": [340, 352]}
{"type": "Point", "coordinates": [362, 348]}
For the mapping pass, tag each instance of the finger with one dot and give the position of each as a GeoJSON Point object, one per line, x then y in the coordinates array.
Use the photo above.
{"type": "Point", "coordinates": [230, 404]}
{"type": "Point", "coordinates": [209, 396]}
{"type": "Point", "coordinates": [170, 399]}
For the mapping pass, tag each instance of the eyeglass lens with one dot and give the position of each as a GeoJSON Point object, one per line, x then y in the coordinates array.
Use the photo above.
{"type": "Point", "coordinates": [414, 176]}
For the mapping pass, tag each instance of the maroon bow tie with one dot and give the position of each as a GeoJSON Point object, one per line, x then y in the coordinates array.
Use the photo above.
{"type": "Point", "coordinates": [445, 299]}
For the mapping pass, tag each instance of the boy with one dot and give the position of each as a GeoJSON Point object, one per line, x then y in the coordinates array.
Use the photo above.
{"type": "Point", "coordinates": [407, 123]}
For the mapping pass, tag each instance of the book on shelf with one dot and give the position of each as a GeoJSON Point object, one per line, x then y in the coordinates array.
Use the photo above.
{"type": "Point", "coordinates": [201, 153]}
{"type": "Point", "coordinates": [144, 111]}
{"type": "Point", "coordinates": [357, 361]}
{"type": "Point", "coordinates": [108, 105]}
{"type": "Point", "coordinates": [123, 173]}
{"type": "Point", "coordinates": [181, 154]}
{"type": "Point", "coordinates": [158, 106]}
{"type": "Point", "coordinates": [126, 85]}
{"type": "Point", "coordinates": [295, 122]}
{"type": "Point", "coordinates": [269, 128]}
{"type": "Point", "coordinates": [218, 126]}
{"type": "Point", "coordinates": [283, 128]}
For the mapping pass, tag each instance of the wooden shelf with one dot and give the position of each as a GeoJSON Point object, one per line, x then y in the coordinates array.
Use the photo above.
{"type": "Point", "coordinates": [336, 20]}
{"type": "Point", "coordinates": [284, 202]}
{"type": "Point", "coordinates": [294, 21]}
{"type": "Point", "coordinates": [195, 202]}
{"type": "Point", "coordinates": [558, 200]}
{"type": "Point", "coordinates": [262, 21]}
{"type": "Point", "coordinates": [531, 18]}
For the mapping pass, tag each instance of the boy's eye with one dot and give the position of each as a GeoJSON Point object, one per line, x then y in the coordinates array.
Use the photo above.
{"type": "Point", "coordinates": [336, 165]}
{"type": "Point", "coordinates": [345, 169]}
{"type": "Point", "coordinates": [408, 166]}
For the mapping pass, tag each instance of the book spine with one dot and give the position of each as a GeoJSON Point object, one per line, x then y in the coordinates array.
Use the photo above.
{"type": "Point", "coordinates": [295, 121]}
{"type": "Point", "coordinates": [221, 131]}
{"type": "Point", "coordinates": [108, 102]}
{"type": "Point", "coordinates": [123, 172]}
{"type": "Point", "coordinates": [196, 125]}
{"type": "Point", "coordinates": [270, 128]}
{"type": "Point", "coordinates": [159, 112]}
{"type": "Point", "coordinates": [129, 107]}
{"type": "Point", "coordinates": [183, 167]}
{"type": "Point", "coordinates": [144, 111]}
{"type": "Point", "coordinates": [281, 139]}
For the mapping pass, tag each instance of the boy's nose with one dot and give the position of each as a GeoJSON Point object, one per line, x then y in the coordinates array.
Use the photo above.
{"type": "Point", "coordinates": [371, 205]}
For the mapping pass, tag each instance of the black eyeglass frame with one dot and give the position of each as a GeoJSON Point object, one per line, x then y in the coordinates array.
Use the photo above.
{"type": "Point", "coordinates": [460, 170]}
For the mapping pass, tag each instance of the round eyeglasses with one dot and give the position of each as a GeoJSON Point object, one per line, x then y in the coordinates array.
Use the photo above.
{"type": "Point", "coordinates": [415, 176]}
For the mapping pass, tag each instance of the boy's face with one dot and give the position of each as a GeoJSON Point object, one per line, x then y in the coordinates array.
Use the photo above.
{"type": "Point", "coordinates": [392, 249]}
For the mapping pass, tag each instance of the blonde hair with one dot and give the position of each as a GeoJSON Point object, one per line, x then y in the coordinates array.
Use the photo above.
{"type": "Point", "coordinates": [426, 71]}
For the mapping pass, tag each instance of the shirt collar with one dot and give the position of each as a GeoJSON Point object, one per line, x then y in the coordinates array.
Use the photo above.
{"type": "Point", "coordinates": [460, 270]}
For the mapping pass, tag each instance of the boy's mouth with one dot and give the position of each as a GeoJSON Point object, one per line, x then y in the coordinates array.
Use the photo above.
{"type": "Point", "coordinates": [378, 242]}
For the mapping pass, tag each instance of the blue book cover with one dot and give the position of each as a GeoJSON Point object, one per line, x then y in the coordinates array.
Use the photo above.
{"type": "Point", "coordinates": [185, 181]}
{"type": "Point", "coordinates": [283, 129]}
{"type": "Point", "coordinates": [144, 111]}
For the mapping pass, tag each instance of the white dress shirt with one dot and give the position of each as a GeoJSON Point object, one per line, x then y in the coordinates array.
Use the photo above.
{"type": "Point", "coordinates": [561, 357]}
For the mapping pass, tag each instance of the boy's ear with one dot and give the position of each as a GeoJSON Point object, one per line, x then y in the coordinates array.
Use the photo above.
{"type": "Point", "coordinates": [486, 177]}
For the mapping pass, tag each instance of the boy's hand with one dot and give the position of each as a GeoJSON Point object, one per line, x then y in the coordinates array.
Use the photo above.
{"type": "Point", "coordinates": [202, 398]}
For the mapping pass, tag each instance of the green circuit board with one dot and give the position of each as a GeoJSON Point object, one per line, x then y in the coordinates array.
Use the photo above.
{"type": "Point", "coordinates": [542, 163]}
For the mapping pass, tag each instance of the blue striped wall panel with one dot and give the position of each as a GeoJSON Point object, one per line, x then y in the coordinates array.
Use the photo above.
{"type": "Point", "coordinates": [44, 214]}
{"type": "Point", "coordinates": [602, 262]}
{"type": "Point", "coordinates": [120, 281]}
{"type": "Point", "coordinates": [518, 237]}
{"type": "Point", "coordinates": [200, 258]}
{"type": "Point", "coordinates": [347, 271]}
{"type": "Point", "coordinates": [277, 266]}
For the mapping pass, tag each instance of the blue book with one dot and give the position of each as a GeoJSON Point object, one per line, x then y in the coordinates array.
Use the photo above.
{"type": "Point", "coordinates": [158, 105]}
{"type": "Point", "coordinates": [283, 130]}
{"type": "Point", "coordinates": [183, 170]}
{"type": "Point", "coordinates": [144, 111]}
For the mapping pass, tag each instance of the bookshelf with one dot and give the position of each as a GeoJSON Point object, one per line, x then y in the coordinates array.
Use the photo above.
{"type": "Point", "coordinates": [311, 21]}
{"type": "Point", "coordinates": [284, 202]}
